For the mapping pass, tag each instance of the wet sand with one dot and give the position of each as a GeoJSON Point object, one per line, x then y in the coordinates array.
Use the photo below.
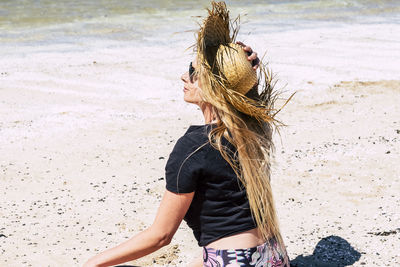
{"type": "Point", "coordinates": [84, 138]}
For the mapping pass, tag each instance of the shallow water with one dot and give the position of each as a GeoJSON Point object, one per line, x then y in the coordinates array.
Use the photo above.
{"type": "Point", "coordinates": [82, 24]}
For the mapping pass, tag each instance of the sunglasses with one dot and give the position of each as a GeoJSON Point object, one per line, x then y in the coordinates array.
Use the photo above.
{"type": "Point", "coordinates": [191, 71]}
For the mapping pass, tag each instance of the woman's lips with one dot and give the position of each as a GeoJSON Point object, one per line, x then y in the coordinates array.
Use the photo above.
{"type": "Point", "coordinates": [185, 89]}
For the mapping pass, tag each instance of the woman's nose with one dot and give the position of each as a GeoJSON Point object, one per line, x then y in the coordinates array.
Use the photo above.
{"type": "Point", "coordinates": [185, 77]}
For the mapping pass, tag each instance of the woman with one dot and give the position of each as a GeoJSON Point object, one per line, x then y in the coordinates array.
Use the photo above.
{"type": "Point", "coordinates": [218, 173]}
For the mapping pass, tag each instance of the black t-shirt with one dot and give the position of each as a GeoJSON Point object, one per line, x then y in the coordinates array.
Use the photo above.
{"type": "Point", "coordinates": [220, 207]}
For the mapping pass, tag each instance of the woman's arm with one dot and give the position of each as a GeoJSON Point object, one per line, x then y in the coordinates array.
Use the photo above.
{"type": "Point", "coordinates": [172, 209]}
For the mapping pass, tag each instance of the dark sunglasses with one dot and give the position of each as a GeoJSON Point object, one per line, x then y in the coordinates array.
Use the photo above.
{"type": "Point", "coordinates": [191, 71]}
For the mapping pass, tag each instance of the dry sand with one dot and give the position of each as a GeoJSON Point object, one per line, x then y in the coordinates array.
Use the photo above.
{"type": "Point", "coordinates": [84, 138]}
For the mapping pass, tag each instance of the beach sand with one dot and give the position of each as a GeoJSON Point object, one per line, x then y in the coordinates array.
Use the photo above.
{"type": "Point", "coordinates": [85, 136]}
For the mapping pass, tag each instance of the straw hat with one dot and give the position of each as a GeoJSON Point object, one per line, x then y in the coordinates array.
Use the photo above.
{"type": "Point", "coordinates": [224, 61]}
{"type": "Point", "coordinates": [227, 78]}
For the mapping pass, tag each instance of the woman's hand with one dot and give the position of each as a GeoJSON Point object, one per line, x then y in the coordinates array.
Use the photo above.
{"type": "Point", "coordinates": [252, 56]}
{"type": "Point", "coordinates": [90, 263]}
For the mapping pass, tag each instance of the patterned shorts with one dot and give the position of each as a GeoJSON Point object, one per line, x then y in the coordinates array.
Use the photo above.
{"type": "Point", "coordinates": [265, 255]}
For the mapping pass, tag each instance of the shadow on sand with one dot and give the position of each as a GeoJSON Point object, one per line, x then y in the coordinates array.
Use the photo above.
{"type": "Point", "coordinates": [331, 251]}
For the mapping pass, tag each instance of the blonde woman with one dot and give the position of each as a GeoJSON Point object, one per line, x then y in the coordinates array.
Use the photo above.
{"type": "Point", "coordinates": [218, 174]}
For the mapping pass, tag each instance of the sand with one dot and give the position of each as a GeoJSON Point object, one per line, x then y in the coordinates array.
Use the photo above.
{"type": "Point", "coordinates": [85, 135]}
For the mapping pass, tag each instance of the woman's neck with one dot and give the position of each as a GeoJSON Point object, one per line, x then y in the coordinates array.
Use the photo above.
{"type": "Point", "coordinates": [208, 113]}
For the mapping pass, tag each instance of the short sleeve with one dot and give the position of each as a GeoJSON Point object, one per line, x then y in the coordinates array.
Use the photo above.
{"type": "Point", "coordinates": [183, 166]}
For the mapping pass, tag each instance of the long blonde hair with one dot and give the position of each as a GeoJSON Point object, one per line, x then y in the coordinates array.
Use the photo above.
{"type": "Point", "coordinates": [246, 115]}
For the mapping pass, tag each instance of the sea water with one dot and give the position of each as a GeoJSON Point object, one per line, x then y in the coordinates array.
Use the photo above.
{"type": "Point", "coordinates": [142, 45]}
{"type": "Point", "coordinates": [83, 24]}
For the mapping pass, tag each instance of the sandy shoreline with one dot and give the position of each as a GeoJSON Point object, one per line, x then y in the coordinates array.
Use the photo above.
{"type": "Point", "coordinates": [83, 150]}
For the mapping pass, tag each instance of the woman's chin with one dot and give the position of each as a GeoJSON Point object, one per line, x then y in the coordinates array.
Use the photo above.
{"type": "Point", "coordinates": [188, 100]}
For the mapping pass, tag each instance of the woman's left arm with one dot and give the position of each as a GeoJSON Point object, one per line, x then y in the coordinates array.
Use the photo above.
{"type": "Point", "coordinates": [173, 208]}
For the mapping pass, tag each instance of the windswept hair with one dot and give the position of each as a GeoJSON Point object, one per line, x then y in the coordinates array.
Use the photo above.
{"type": "Point", "coordinates": [245, 112]}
